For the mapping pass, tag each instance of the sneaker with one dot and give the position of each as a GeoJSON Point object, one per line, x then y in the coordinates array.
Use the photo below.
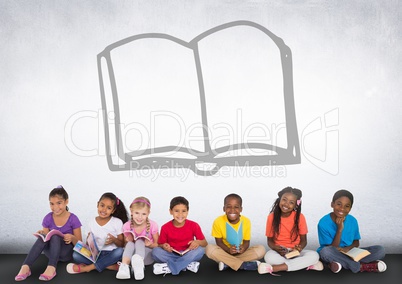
{"type": "Point", "coordinates": [264, 268]}
{"type": "Point", "coordinates": [193, 266]}
{"type": "Point", "coordinates": [161, 268]}
{"type": "Point", "coordinates": [123, 272]}
{"type": "Point", "coordinates": [317, 266]}
{"type": "Point", "coordinates": [335, 267]}
{"type": "Point", "coordinates": [375, 266]}
{"type": "Point", "coordinates": [137, 264]}
{"type": "Point", "coordinates": [250, 265]}
{"type": "Point", "coordinates": [222, 266]}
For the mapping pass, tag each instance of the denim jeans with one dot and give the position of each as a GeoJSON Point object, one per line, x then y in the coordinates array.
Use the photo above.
{"type": "Point", "coordinates": [176, 262]}
{"type": "Point", "coordinates": [105, 259]}
{"type": "Point", "coordinates": [329, 254]}
{"type": "Point", "coordinates": [55, 249]}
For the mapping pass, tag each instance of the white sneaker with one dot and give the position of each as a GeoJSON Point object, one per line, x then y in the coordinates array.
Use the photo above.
{"type": "Point", "coordinates": [222, 266]}
{"type": "Point", "coordinates": [381, 266]}
{"type": "Point", "coordinates": [193, 266]}
{"type": "Point", "coordinates": [161, 268]}
{"type": "Point", "coordinates": [335, 266]}
{"type": "Point", "coordinates": [124, 271]}
{"type": "Point", "coordinates": [264, 268]}
{"type": "Point", "coordinates": [317, 266]}
{"type": "Point", "coordinates": [137, 263]}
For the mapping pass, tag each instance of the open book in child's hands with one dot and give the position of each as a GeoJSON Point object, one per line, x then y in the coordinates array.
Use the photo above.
{"type": "Point", "coordinates": [135, 237]}
{"type": "Point", "coordinates": [89, 250]}
{"type": "Point", "coordinates": [292, 254]}
{"type": "Point", "coordinates": [181, 253]}
{"type": "Point", "coordinates": [48, 236]}
{"type": "Point", "coordinates": [233, 237]}
{"type": "Point", "coordinates": [356, 253]}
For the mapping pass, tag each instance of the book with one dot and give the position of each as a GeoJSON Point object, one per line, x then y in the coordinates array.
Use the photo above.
{"type": "Point", "coordinates": [49, 235]}
{"type": "Point", "coordinates": [292, 254]}
{"type": "Point", "coordinates": [233, 237]}
{"type": "Point", "coordinates": [356, 253]}
{"type": "Point", "coordinates": [89, 250]}
{"type": "Point", "coordinates": [239, 63]}
{"type": "Point", "coordinates": [181, 253]}
{"type": "Point", "coordinates": [135, 236]}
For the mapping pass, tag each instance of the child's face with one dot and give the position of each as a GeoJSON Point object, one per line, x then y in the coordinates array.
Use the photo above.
{"type": "Point", "coordinates": [232, 209]}
{"type": "Point", "coordinates": [58, 205]}
{"type": "Point", "coordinates": [341, 206]}
{"type": "Point", "coordinates": [105, 208]}
{"type": "Point", "coordinates": [179, 213]}
{"type": "Point", "coordinates": [139, 215]}
{"type": "Point", "coordinates": [287, 203]}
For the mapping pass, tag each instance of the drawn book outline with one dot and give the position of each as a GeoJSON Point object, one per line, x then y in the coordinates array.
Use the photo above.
{"type": "Point", "coordinates": [139, 159]}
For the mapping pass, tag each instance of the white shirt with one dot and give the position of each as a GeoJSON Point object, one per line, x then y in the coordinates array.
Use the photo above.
{"type": "Point", "coordinates": [113, 227]}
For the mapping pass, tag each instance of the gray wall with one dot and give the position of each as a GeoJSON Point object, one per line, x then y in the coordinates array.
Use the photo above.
{"type": "Point", "coordinates": [347, 98]}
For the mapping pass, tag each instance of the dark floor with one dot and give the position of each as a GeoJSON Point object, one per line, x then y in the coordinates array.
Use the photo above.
{"type": "Point", "coordinates": [208, 271]}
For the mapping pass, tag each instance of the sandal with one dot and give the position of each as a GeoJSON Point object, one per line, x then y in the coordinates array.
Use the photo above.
{"type": "Point", "coordinates": [24, 276]}
{"type": "Point", "coordinates": [70, 268]}
{"type": "Point", "coordinates": [44, 277]}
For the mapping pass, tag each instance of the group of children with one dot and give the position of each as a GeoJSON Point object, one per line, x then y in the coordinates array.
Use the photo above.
{"type": "Point", "coordinates": [180, 244]}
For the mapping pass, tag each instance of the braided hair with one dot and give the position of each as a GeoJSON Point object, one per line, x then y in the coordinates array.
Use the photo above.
{"type": "Point", "coordinates": [140, 203]}
{"type": "Point", "coordinates": [277, 212]}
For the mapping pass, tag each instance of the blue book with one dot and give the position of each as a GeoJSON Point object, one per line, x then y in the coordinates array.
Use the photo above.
{"type": "Point", "coordinates": [234, 237]}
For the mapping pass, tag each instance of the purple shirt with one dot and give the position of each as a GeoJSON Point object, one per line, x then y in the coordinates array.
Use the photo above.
{"type": "Point", "coordinates": [72, 223]}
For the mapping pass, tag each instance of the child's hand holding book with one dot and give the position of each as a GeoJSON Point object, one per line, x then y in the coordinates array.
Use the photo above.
{"type": "Point", "coordinates": [289, 252]}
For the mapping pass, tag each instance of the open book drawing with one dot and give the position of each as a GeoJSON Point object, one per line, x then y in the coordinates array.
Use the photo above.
{"type": "Point", "coordinates": [233, 237]}
{"type": "Point", "coordinates": [89, 250]}
{"type": "Point", "coordinates": [48, 236]}
{"type": "Point", "coordinates": [223, 99]}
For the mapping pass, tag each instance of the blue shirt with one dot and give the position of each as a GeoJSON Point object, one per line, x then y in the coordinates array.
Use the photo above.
{"type": "Point", "coordinates": [327, 230]}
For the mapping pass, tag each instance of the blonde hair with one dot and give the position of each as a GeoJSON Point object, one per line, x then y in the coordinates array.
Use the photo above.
{"type": "Point", "coordinates": [140, 203]}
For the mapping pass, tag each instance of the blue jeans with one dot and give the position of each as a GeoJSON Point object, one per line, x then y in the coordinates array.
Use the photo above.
{"type": "Point", "coordinates": [329, 254]}
{"type": "Point", "coordinates": [55, 249]}
{"type": "Point", "coordinates": [105, 259]}
{"type": "Point", "coordinates": [176, 262]}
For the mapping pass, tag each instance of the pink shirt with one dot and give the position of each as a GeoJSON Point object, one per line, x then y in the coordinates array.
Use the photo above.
{"type": "Point", "coordinates": [153, 229]}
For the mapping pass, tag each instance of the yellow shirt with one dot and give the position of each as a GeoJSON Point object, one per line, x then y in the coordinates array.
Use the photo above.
{"type": "Point", "coordinates": [219, 228]}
